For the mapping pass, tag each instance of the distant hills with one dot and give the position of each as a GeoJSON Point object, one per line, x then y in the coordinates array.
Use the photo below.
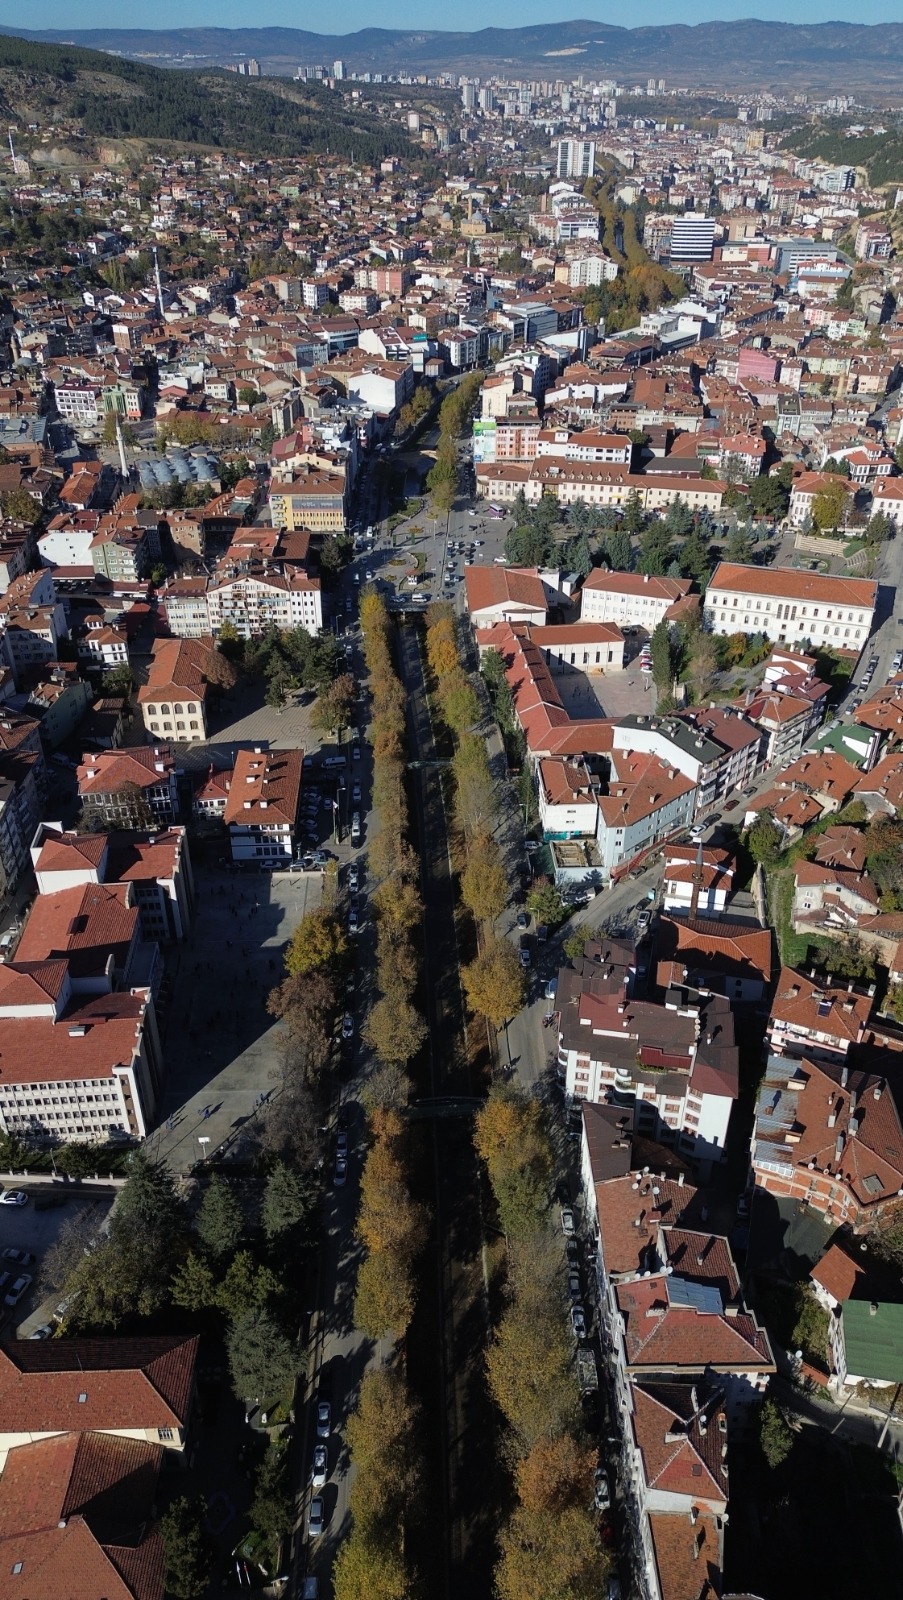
{"type": "Point", "coordinates": [742, 54]}
{"type": "Point", "coordinates": [109, 98]}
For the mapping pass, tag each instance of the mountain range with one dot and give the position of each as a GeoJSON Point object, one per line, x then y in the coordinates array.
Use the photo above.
{"type": "Point", "coordinates": [820, 57]}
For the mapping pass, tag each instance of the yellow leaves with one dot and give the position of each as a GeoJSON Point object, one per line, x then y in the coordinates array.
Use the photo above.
{"type": "Point", "coordinates": [318, 943]}
{"type": "Point", "coordinates": [494, 982]}
{"type": "Point", "coordinates": [484, 882]}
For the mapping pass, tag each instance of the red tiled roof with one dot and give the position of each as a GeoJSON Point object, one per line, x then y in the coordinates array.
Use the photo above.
{"type": "Point", "coordinates": [83, 926]}
{"type": "Point", "coordinates": [688, 1556]}
{"type": "Point", "coordinates": [75, 1520]}
{"type": "Point", "coordinates": [497, 586]}
{"type": "Point", "coordinates": [127, 1383]}
{"type": "Point", "coordinates": [781, 582]}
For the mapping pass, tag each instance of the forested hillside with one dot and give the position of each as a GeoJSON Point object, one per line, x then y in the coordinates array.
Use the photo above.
{"type": "Point", "coordinates": [110, 98]}
{"type": "Point", "coordinates": [881, 154]}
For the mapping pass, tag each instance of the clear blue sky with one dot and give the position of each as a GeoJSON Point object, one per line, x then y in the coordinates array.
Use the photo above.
{"type": "Point", "coordinates": [424, 13]}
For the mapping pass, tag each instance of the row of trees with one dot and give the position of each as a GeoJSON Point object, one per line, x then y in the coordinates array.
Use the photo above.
{"type": "Point", "coordinates": [550, 1542]}
{"type": "Point", "coordinates": [383, 1440]}
{"type": "Point", "coordinates": [392, 1226]}
{"type": "Point", "coordinates": [493, 981]}
{"type": "Point", "coordinates": [454, 412]}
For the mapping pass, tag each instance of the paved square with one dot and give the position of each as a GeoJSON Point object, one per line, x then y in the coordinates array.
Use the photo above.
{"type": "Point", "coordinates": [220, 1044]}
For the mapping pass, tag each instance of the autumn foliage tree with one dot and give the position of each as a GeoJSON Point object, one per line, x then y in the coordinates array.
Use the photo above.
{"type": "Point", "coordinates": [494, 982]}
{"type": "Point", "coordinates": [513, 1143]}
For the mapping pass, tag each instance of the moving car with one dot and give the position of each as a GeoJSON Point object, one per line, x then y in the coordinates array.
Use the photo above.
{"type": "Point", "coordinates": [347, 1026]}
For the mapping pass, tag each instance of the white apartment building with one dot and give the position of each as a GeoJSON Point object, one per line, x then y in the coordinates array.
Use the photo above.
{"type": "Point", "coordinates": [631, 598]}
{"type": "Point", "coordinates": [575, 158]}
{"type": "Point", "coordinates": [589, 269]}
{"type": "Point", "coordinates": [78, 403]}
{"type": "Point", "coordinates": [692, 237]}
{"type": "Point", "coordinates": [588, 445]}
{"type": "Point", "coordinates": [790, 607]}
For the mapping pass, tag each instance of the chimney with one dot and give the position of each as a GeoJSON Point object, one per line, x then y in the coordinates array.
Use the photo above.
{"type": "Point", "coordinates": [873, 1309]}
{"type": "Point", "coordinates": [838, 1147]}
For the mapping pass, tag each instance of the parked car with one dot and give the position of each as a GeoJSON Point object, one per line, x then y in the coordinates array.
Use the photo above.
{"type": "Point", "coordinates": [353, 920]}
{"type": "Point", "coordinates": [19, 1288]}
{"type": "Point", "coordinates": [574, 1287]}
{"type": "Point", "coordinates": [340, 1174]}
{"type": "Point", "coordinates": [522, 919]}
{"type": "Point", "coordinates": [643, 921]}
{"type": "Point", "coordinates": [45, 1331]}
{"type": "Point", "coordinates": [316, 1516]}
{"type": "Point", "coordinates": [324, 1419]}
{"type": "Point", "coordinates": [578, 1322]}
{"type": "Point", "coordinates": [601, 1491]}
{"type": "Point", "coordinates": [347, 1026]}
{"type": "Point", "coordinates": [568, 1225]}
{"type": "Point", "coordinates": [320, 1466]}
{"type": "Point", "coordinates": [353, 877]}
{"type": "Point", "coordinates": [13, 1197]}
{"type": "Point", "coordinates": [23, 1257]}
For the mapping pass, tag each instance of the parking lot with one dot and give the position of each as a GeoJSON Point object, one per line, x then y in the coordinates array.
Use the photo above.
{"type": "Point", "coordinates": [35, 1228]}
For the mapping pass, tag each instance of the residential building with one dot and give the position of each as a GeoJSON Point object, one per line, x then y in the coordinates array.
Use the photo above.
{"type": "Point", "coordinates": [830, 1135]}
{"type": "Point", "coordinates": [647, 799]}
{"type": "Point", "coordinates": [696, 880]}
{"type": "Point", "coordinates": [790, 606]}
{"type": "Point", "coordinates": [575, 158]}
{"type": "Point", "coordinates": [814, 1017]}
{"type": "Point", "coordinates": [263, 804]}
{"type": "Point", "coordinates": [867, 1345]}
{"type": "Point", "coordinates": [671, 1067]}
{"type": "Point", "coordinates": [128, 787]}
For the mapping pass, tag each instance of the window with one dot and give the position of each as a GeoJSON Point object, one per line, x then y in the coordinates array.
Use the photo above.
{"type": "Point", "coordinates": [164, 1433]}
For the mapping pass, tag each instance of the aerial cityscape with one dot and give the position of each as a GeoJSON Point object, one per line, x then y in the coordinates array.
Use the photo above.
{"type": "Point", "coordinates": [451, 810]}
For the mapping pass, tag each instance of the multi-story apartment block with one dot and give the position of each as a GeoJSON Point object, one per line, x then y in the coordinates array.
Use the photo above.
{"type": "Point", "coordinates": [262, 807]}
{"type": "Point", "coordinates": [311, 499]}
{"type": "Point", "coordinates": [156, 866]}
{"type": "Point", "coordinates": [575, 158]}
{"type": "Point", "coordinates": [672, 1068]}
{"type": "Point", "coordinates": [692, 238]}
{"type": "Point", "coordinates": [792, 607]}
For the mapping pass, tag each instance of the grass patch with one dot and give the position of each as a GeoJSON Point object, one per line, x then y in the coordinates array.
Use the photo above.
{"type": "Point", "coordinates": [793, 948]}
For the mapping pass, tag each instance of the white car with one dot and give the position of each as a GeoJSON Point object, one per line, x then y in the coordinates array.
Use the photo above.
{"type": "Point", "coordinates": [316, 1516]}
{"type": "Point", "coordinates": [19, 1288]}
{"type": "Point", "coordinates": [13, 1197]}
{"type": "Point", "coordinates": [320, 1466]}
